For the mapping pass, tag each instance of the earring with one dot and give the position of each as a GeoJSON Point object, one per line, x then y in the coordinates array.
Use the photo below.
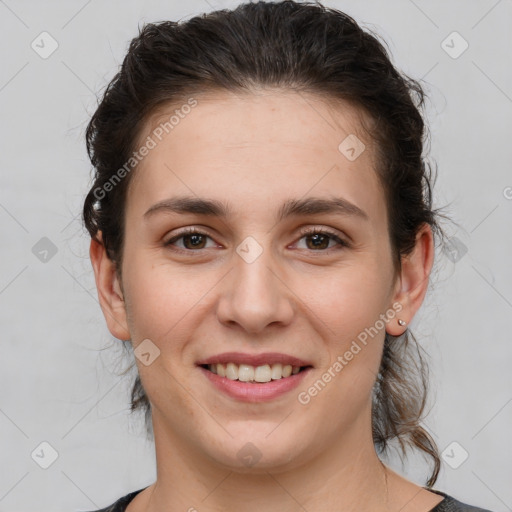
{"type": "Point", "coordinates": [401, 322]}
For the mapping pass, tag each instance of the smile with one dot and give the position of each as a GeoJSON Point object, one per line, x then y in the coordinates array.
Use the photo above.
{"type": "Point", "coordinates": [254, 377]}
{"type": "Point", "coordinates": [249, 373]}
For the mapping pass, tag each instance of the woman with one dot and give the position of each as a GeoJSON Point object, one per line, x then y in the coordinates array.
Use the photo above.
{"type": "Point", "coordinates": [262, 234]}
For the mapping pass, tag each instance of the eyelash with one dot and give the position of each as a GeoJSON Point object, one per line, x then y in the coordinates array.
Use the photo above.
{"type": "Point", "coordinates": [306, 232]}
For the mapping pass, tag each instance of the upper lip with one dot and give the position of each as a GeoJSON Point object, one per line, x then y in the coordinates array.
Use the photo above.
{"type": "Point", "coordinates": [254, 359]}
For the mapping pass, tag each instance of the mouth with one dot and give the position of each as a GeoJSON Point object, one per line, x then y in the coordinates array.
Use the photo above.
{"type": "Point", "coordinates": [254, 374]}
{"type": "Point", "coordinates": [254, 378]}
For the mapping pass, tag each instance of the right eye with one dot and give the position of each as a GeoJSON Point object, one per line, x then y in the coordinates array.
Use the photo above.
{"type": "Point", "coordinates": [192, 239]}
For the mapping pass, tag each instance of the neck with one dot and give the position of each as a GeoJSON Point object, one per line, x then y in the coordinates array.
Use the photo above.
{"type": "Point", "coordinates": [347, 477]}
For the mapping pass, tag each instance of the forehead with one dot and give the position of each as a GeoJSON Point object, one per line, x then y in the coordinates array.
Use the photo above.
{"type": "Point", "coordinates": [257, 116]}
{"type": "Point", "coordinates": [257, 146]}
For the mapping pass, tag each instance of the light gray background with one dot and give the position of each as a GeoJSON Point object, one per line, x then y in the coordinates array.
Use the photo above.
{"type": "Point", "coordinates": [59, 386]}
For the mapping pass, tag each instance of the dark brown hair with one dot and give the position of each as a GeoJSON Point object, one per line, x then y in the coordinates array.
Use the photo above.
{"type": "Point", "coordinates": [303, 47]}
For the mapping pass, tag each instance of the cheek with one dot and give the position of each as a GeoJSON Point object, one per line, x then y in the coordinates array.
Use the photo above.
{"type": "Point", "coordinates": [162, 299]}
{"type": "Point", "coordinates": [350, 323]}
{"type": "Point", "coordinates": [346, 300]}
{"type": "Point", "coordinates": [349, 311]}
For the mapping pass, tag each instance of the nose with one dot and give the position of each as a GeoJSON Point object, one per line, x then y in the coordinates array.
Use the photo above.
{"type": "Point", "coordinates": [255, 295]}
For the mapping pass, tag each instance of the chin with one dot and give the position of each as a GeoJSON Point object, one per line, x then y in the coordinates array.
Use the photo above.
{"type": "Point", "coordinates": [259, 453]}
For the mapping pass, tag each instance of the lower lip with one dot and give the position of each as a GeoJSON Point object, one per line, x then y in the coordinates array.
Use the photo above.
{"type": "Point", "coordinates": [258, 391]}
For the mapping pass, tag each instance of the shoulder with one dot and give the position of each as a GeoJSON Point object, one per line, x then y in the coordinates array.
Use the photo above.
{"type": "Point", "coordinates": [450, 504]}
{"type": "Point", "coordinates": [121, 504]}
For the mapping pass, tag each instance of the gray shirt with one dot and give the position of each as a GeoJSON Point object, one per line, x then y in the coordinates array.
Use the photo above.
{"type": "Point", "coordinates": [449, 504]}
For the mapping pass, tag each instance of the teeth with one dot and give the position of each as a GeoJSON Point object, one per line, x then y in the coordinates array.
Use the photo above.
{"type": "Point", "coordinates": [277, 371]}
{"type": "Point", "coordinates": [287, 370]}
{"type": "Point", "coordinates": [231, 371]}
{"type": "Point", "coordinates": [248, 373]}
{"type": "Point", "coordinates": [263, 373]}
{"type": "Point", "coordinates": [245, 373]}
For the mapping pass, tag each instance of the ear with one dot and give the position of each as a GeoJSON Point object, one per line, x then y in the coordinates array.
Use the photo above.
{"type": "Point", "coordinates": [110, 292]}
{"type": "Point", "coordinates": [412, 282]}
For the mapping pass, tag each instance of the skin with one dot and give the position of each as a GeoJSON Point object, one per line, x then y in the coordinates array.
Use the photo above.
{"type": "Point", "coordinates": [255, 151]}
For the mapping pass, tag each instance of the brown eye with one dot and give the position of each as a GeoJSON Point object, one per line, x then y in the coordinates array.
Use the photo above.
{"type": "Point", "coordinates": [321, 240]}
{"type": "Point", "coordinates": [194, 241]}
{"type": "Point", "coordinates": [191, 239]}
{"type": "Point", "coordinates": [318, 241]}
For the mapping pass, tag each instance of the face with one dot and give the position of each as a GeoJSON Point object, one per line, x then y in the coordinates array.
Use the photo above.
{"type": "Point", "coordinates": [252, 238]}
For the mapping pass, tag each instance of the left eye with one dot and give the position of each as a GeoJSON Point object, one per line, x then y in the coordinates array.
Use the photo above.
{"type": "Point", "coordinates": [322, 239]}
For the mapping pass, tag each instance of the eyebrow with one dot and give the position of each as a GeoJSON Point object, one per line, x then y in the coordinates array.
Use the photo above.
{"type": "Point", "coordinates": [291, 207]}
